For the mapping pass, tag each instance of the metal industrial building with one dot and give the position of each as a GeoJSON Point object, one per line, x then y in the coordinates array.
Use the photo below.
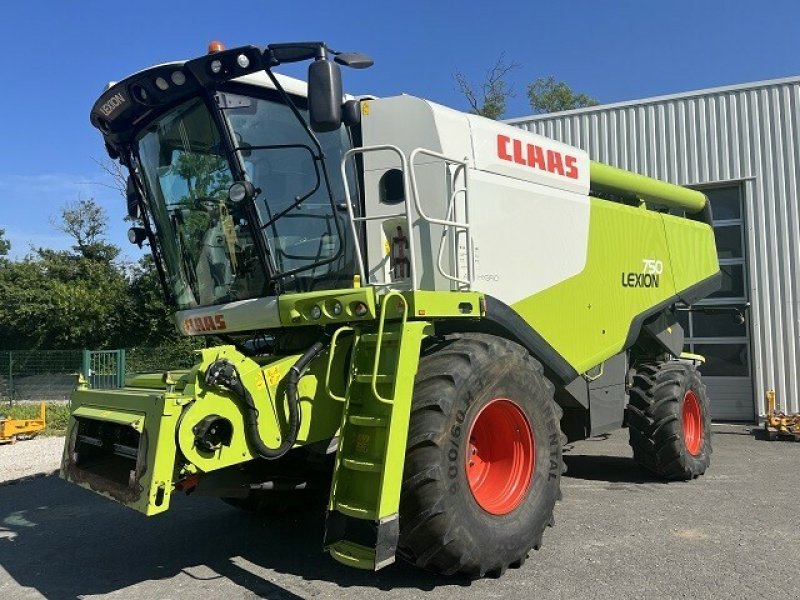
{"type": "Point", "coordinates": [740, 145]}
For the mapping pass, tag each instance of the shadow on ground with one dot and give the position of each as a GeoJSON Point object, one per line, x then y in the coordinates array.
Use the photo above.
{"type": "Point", "coordinates": [613, 469]}
{"type": "Point", "coordinates": [68, 543]}
{"type": "Point", "coordinates": [65, 542]}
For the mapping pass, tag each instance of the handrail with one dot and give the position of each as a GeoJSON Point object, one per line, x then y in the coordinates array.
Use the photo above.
{"type": "Point", "coordinates": [415, 194]}
{"type": "Point", "coordinates": [410, 187]}
{"type": "Point", "coordinates": [331, 352]}
{"type": "Point", "coordinates": [408, 214]}
{"type": "Point", "coordinates": [448, 222]}
{"type": "Point", "coordinates": [445, 230]}
{"type": "Point", "coordinates": [379, 340]}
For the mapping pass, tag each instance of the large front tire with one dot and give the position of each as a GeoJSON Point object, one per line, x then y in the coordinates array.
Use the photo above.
{"type": "Point", "coordinates": [483, 463]}
{"type": "Point", "coordinates": [669, 418]}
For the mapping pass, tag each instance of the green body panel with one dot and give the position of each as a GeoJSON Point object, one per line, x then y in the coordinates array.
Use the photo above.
{"type": "Point", "coordinates": [427, 304]}
{"type": "Point", "coordinates": [155, 381]}
{"type": "Point", "coordinates": [692, 250]}
{"type": "Point", "coordinates": [154, 414]}
{"type": "Point", "coordinates": [610, 179]}
{"type": "Point", "coordinates": [295, 309]}
{"type": "Point", "coordinates": [587, 317]}
{"type": "Point", "coordinates": [166, 419]}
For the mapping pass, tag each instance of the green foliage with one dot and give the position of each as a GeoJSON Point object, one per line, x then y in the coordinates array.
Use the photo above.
{"type": "Point", "coordinates": [56, 415]}
{"type": "Point", "coordinates": [82, 298]}
{"type": "Point", "coordinates": [206, 175]}
{"type": "Point", "coordinates": [178, 355]}
{"type": "Point", "coordinates": [57, 299]}
{"type": "Point", "coordinates": [546, 95]}
{"type": "Point", "coordinates": [85, 222]}
{"type": "Point", "coordinates": [5, 245]}
{"type": "Point", "coordinates": [148, 318]}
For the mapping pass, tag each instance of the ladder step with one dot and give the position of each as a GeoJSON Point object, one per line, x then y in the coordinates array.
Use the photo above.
{"type": "Point", "coordinates": [362, 465]}
{"type": "Point", "coordinates": [372, 338]}
{"type": "Point", "coordinates": [354, 510]}
{"type": "Point", "coordinates": [368, 421]}
{"type": "Point", "coordinates": [367, 378]}
{"type": "Point", "coordinates": [353, 555]}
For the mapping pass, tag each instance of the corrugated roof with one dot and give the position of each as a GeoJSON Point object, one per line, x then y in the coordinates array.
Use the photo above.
{"type": "Point", "coordinates": [655, 99]}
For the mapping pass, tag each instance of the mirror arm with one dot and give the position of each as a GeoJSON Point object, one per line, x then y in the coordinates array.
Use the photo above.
{"type": "Point", "coordinates": [287, 99]}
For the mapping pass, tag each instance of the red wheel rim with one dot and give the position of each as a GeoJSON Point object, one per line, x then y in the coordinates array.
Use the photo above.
{"type": "Point", "coordinates": [500, 457]}
{"type": "Point", "coordinates": [692, 423]}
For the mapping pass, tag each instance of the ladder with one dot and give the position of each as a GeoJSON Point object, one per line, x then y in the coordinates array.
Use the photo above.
{"type": "Point", "coordinates": [362, 526]}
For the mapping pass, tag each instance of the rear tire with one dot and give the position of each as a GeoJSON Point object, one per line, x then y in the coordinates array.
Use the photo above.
{"type": "Point", "coordinates": [481, 519]}
{"type": "Point", "coordinates": [669, 419]}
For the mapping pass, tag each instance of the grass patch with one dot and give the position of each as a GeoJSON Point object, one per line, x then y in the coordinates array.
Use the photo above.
{"type": "Point", "coordinates": [56, 417]}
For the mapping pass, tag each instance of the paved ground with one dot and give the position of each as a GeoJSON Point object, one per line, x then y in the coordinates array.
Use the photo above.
{"type": "Point", "coordinates": [619, 534]}
{"type": "Point", "coordinates": [30, 457]}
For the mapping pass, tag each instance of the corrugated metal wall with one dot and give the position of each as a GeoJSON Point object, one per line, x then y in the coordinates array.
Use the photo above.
{"type": "Point", "coordinates": [749, 133]}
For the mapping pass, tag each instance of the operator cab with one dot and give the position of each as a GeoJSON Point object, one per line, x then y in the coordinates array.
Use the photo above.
{"type": "Point", "coordinates": [189, 131]}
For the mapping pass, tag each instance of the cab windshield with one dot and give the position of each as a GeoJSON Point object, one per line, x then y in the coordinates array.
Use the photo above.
{"type": "Point", "coordinates": [210, 245]}
{"type": "Point", "coordinates": [307, 237]}
{"type": "Point", "coordinates": [205, 240]}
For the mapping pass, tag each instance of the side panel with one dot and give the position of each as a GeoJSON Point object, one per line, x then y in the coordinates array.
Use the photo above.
{"type": "Point", "coordinates": [586, 318]}
{"type": "Point", "coordinates": [527, 237]}
{"type": "Point", "coordinates": [692, 250]}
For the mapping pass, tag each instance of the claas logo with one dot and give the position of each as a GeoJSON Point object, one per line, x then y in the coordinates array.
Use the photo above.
{"type": "Point", "coordinates": [201, 324]}
{"type": "Point", "coordinates": [536, 157]}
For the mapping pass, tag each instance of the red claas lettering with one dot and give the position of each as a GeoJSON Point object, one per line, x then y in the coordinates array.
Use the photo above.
{"type": "Point", "coordinates": [536, 157]}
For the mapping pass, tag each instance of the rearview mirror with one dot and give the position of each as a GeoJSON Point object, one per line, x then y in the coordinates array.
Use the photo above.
{"type": "Point", "coordinates": [132, 198]}
{"type": "Point", "coordinates": [324, 95]}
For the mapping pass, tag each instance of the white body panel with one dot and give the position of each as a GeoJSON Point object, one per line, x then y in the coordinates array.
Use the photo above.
{"type": "Point", "coordinates": [527, 237]}
{"type": "Point", "coordinates": [527, 201]}
{"type": "Point", "coordinates": [244, 315]}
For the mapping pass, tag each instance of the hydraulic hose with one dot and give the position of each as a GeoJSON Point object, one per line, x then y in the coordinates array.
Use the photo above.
{"type": "Point", "coordinates": [223, 373]}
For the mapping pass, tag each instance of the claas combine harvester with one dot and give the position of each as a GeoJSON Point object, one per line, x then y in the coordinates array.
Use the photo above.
{"type": "Point", "coordinates": [409, 311]}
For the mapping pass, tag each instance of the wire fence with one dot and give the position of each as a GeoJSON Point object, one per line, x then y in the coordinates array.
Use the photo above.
{"type": "Point", "coordinates": [27, 375]}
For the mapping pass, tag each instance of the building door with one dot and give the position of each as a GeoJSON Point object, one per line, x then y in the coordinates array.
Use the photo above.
{"type": "Point", "coordinates": [717, 335]}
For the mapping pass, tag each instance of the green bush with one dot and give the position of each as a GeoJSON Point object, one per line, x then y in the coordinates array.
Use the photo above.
{"type": "Point", "coordinates": [56, 417]}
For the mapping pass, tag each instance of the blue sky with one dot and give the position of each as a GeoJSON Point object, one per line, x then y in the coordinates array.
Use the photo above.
{"type": "Point", "coordinates": [58, 55]}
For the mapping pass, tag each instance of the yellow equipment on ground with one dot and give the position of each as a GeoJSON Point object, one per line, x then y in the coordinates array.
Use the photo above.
{"type": "Point", "coordinates": [10, 429]}
{"type": "Point", "coordinates": [778, 424]}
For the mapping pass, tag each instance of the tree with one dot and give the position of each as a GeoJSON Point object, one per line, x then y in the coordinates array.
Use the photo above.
{"type": "Point", "coordinates": [116, 172]}
{"type": "Point", "coordinates": [58, 299]}
{"type": "Point", "coordinates": [149, 319]}
{"type": "Point", "coordinates": [85, 222]}
{"type": "Point", "coordinates": [490, 97]}
{"type": "Point", "coordinates": [62, 298]}
{"type": "Point", "coordinates": [546, 95]}
{"type": "Point", "coordinates": [5, 245]}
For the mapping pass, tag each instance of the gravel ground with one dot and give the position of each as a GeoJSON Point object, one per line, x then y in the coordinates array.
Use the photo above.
{"type": "Point", "coordinates": [619, 534]}
{"type": "Point", "coordinates": [27, 458]}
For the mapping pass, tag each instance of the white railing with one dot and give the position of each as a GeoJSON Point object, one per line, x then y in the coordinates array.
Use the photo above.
{"type": "Point", "coordinates": [449, 223]}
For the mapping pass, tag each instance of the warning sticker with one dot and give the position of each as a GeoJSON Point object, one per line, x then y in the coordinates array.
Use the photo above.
{"type": "Point", "coordinates": [273, 376]}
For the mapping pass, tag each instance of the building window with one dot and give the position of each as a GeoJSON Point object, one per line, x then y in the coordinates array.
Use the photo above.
{"type": "Point", "coordinates": [716, 335]}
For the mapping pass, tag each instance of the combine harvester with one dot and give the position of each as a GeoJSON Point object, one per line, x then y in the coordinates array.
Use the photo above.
{"type": "Point", "coordinates": [409, 310]}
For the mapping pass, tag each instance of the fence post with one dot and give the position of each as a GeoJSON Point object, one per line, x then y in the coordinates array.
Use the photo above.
{"type": "Point", "coordinates": [121, 368]}
{"type": "Point", "coordinates": [87, 364]}
{"type": "Point", "coordinates": [10, 377]}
